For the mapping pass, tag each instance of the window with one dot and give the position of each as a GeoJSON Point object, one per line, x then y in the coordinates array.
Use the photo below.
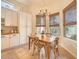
{"type": "Point", "coordinates": [70, 20]}
{"type": "Point", "coordinates": [8, 5]}
{"type": "Point", "coordinates": [40, 23]}
{"type": "Point", "coordinates": [54, 24]}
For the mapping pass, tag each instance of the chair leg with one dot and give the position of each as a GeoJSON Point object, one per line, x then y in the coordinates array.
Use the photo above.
{"type": "Point", "coordinates": [38, 53]}
{"type": "Point", "coordinates": [33, 50]}
{"type": "Point", "coordinates": [45, 51]}
{"type": "Point", "coordinates": [56, 53]}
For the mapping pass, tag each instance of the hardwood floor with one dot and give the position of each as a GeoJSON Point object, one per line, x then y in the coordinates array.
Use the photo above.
{"type": "Point", "coordinates": [24, 53]}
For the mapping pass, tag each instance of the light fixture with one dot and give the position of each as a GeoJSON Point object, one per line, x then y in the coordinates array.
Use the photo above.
{"type": "Point", "coordinates": [43, 11]}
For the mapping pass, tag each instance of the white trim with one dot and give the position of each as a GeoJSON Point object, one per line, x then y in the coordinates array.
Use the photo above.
{"type": "Point", "coordinates": [68, 51]}
{"type": "Point", "coordinates": [14, 47]}
{"type": "Point", "coordinates": [71, 40]}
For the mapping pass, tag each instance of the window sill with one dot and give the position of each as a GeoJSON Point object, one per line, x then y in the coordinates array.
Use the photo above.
{"type": "Point", "coordinates": [74, 41]}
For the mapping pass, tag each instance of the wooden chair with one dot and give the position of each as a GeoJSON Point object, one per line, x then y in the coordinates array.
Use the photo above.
{"type": "Point", "coordinates": [31, 40]}
{"type": "Point", "coordinates": [56, 51]}
{"type": "Point", "coordinates": [39, 44]}
{"type": "Point", "coordinates": [35, 43]}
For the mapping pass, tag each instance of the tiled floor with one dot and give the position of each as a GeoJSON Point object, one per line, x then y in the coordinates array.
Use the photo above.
{"type": "Point", "coordinates": [24, 53]}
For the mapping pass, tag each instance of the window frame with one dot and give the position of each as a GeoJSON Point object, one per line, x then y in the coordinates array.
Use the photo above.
{"type": "Point", "coordinates": [43, 19]}
{"type": "Point", "coordinates": [53, 25]}
{"type": "Point", "coordinates": [40, 24]}
{"type": "Point", "coordinates": [67, 8]}
{"type": "Point", "coordinates": [50, 19]}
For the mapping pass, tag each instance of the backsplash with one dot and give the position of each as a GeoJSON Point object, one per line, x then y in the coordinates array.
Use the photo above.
{"type": "Point", "coordinates": [9, 30]}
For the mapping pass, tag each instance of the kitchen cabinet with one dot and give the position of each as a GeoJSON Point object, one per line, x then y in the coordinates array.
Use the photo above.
{"type": "Point", "coordinates": [29, 25]}
{"type": "Point", "coordinates": [14, 18]}
{"type": "Point", "coordinates": [8, 18]}
{"type": "Point", "coordinates": [5, 42]}
{"type": "Point", "coordinates": [9, 41]}
{"type": "Point", "coordinates": [23, 36]}
{"type": "Point", "coordinates": [3, 12]}
{"type": "Point", "coordinates": [14, 40]}
{"type": "Point", "coordinates": [23, 28]}
{"type": "Point", "coordinates": [2, 17]}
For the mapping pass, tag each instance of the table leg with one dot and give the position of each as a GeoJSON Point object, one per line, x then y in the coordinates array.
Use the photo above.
{"type": "Point", "coordinates": [29, 43]}
{"type": "Point", "coordinates": [38, 53]}
{"type": "Point", "coordinates": [48, 52]}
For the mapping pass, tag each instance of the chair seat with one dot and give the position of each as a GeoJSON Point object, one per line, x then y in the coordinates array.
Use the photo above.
{"type": "Point", "coordinates": [42, 53]}
{"type": "Point", "coordinates": [52, 54]}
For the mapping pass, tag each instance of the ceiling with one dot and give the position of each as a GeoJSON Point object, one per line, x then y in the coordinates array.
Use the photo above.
{"type": "Point", "coordinates": [24, 1]}
{"type": "Point", "coordinates": [43, 2]}
{"type": "Point", "coordinates": [37, 2]}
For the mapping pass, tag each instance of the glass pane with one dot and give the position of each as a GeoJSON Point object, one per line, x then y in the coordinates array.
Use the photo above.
{"type": "Point", "coordinates": [40, 20]}
{"type": "Point", "coordinates": [55, 30]}
{"type": "Point", "coordinates": [54, 20]}
{"type": "Point", "coordinates": [70, 15]}
{"type": "Point", "coordinates": [70, 31]}
{"type": "Point", "coordinates": [43, 20]}
{"type": "Point", "coordinates": [40, 29]}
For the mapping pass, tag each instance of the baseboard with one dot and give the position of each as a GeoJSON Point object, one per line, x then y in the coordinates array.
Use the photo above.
{"type": "Point", "coordinates": [13, 47]}
{"type": "Point", "coordinates": [69, 51]}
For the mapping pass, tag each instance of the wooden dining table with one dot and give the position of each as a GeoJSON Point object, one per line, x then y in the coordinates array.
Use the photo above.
{"type": "Point", "coordinates": [45, 43]}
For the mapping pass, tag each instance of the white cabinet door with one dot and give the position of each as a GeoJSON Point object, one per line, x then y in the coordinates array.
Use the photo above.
{"type": "Point", "coordinates": [23, 36]}
{"type": "Point", "coordinates": [8, 19]}
{"type": "Point", "coordinates": [14, 40]}
{"type": "Point", "coordinates": [5, 42]}
{"type": "Point", "coordinates": [23, 28]}
{"type": "Point", "coordinates": [29, 26]}
{"type": "Point", "coordinates": [3, 12]}
{"type": "Point", "coordinates": [14, 18]}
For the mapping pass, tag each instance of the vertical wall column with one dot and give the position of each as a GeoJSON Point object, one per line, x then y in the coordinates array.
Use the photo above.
{"type": "Point", "coordinates": [61, 26]}
{"type": "Point", "coordinates": [33, 23]}
{"type": "Point", "coordinates": [47, 24]}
